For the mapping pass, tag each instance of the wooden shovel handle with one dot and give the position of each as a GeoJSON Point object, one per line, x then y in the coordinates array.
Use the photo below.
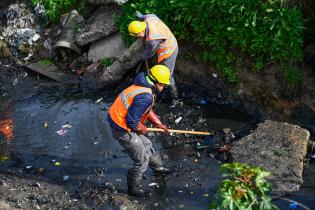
{"type": "Point", "coordinates": [181, 131]}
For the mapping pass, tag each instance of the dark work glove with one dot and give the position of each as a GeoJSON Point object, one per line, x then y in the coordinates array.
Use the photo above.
{"type": "Point", "coordinates": [142, 128]}
{"type": "Point", "coordinates": [155, 120]}
{"type": "Point", "coordinates": [162, 126]}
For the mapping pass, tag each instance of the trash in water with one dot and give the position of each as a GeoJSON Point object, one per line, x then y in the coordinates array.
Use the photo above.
{"type": "Point", "coordinates": [37, 185]}
{"type": "Point", "coordinates": [117, 180]}
{"type": "Point", "coordinates": [214, 75]}
{"type": "Point", "coordinates": [153, 184]}
{"type": "Point", "coordinates": [63, 129]}
{"type": "Point", "coordinates": [226, 130]}
{"type": "Point", "coordinates": [62, 132]}
{"type": "Point", "coordinates": [28, 167]}
{"type": "Point", "coordinates": [67, 125]}
{"type": "Point", "coordinates": [41, 170]}
{"type": "Point", "coordinates": [200, 146]}
{"type": "Point", "coordinates": [293, 205]}
{"type": "Point", "coordinates": [98, 100]}
{"type": "Point", "coordinates": [205, 195]}
{"type": "Point", "coordinates": [65, 178]}
{"type": "Point", "coordinates": [45, 125]}
{"type": "Point", "coordinates": [313, 156]}
{"type": "Point", "coordinates": [15, 81]}
{"type": "Point", "coordinates": [57, 163]}
{"type": "Point", "coordinates": [178, 120]}
{"type": "Point", "coordinates": [202, 101]}
{"type": "Point", "coordinates": [4, 183]}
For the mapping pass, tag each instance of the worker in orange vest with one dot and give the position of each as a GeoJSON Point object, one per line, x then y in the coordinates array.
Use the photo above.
{"type": "Point", "coordinates": [126, 117]}
{"type": "Point", "coordinates": [158, 40]}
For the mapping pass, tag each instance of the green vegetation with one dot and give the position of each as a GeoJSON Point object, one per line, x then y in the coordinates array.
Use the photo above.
{"type": "Point", "coordinates": [56, 8]}
{"type": "Point", "coordinates": [293, 77]}
{"type": "Point", "coordinates": [263, 32]}
{"type": "Point", "coordinates": [244, 188]}
{"type": "Point", "coordinates": [105, 62]}
{"type": "Point", "coordinates": [46, 61]}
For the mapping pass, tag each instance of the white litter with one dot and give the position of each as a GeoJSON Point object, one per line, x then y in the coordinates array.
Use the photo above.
{"type": "Point", "coordinates": [98, 100]}
{"type": "Point", "coordinates": [153, 184]}
{"type": "Point", "coordinates": [178, 120]}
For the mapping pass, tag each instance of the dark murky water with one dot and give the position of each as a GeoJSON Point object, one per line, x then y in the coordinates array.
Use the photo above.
{"type": "Point", "coordinates": [67, 135]}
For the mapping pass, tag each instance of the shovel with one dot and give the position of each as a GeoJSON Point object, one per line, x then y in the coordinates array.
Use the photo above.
{"type": "Point", "coordinates": [182, 131]}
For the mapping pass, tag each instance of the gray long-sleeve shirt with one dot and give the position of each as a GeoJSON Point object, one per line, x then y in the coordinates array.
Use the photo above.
{"type": "Point", "coordinates": [152, 45]}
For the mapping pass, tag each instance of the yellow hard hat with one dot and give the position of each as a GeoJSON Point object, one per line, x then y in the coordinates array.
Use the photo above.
{"type": "Point", "coordinates": [161, 74]}
{"type": "Point", "coordinates": [136, 27]}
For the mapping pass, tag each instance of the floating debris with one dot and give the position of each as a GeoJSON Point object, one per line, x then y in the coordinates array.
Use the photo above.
{"type": "Point", "coordinates": [98, 100]}
{"type": "Point", "coordinates": [62, 132]}
{"type": "Point", "coordinates": [178, 120]}
{"type": "Point", "coordinates": [65, 178]}
{"type": "Point", "coordinates": [226, 130]}
{"type": "Point", "coordinates": [153, 184]}
{"type": "Point", "coordinates": [28, 167]}
{"type": "Point", "coordinates": [67, 125]}
{"type": "Point", "coordinates": [36, 184]}
{"type": "Point", "coordinates": [45, 125]}
{"type": "Point", "coordinates": [293, 205]}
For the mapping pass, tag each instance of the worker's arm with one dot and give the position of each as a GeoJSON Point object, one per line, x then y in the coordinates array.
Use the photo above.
{"type": "Point", "coordinates": [155, 120]}
{"type": "Point", "coordinates": [150, 48]}
{"type": "Point", "coordinates": [140, 105]}
{"type": "Point", "coordinates": [142, 17]}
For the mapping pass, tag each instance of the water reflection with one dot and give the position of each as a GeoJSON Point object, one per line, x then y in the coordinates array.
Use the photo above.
{"type": "Point", "coordinates": [6, 128]}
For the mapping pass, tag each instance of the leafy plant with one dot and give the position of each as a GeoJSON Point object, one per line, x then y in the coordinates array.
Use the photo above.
{"type": "Point", "coordinates": [266, 32]}
{"type": "Point", "coordinates": [292, 77]}
{"type": "Point", "coordinates": [105, 62]}
{"type": "Point", "coordinates": [46, 61]}
{"type": "Point", "coordinates": [245, 187]}
{"type": "Point", "coordinates": [56, 8]}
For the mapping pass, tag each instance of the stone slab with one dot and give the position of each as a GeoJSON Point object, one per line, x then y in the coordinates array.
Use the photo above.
{"type": "Point", "coordinates": [279, 148]}
{"type": "Point", "coordinates": [52, 72]}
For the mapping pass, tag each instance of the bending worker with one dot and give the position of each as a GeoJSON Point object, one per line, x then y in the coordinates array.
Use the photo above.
{"type": "Point", "coordinates": [126, 117]}
{"type": "Point", "coordinates": [158, 39]}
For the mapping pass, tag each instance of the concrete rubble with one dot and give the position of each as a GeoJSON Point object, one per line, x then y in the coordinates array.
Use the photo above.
{"type": "Point", "coordinates": [277, 147]}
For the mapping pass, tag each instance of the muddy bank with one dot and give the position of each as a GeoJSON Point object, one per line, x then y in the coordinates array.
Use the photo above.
{"type": "Point", "coordinates": [259, 92]}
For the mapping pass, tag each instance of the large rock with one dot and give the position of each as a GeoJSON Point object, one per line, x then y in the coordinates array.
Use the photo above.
{"type": "Point", "coordinates": [110, 47]}
{"type": "Point", "coordinates": [278, 148]}
{"type": "Point", "coordinates": [100, 25]}
{"type": "Point", "coordinates": [102, 2]}
{"type": "Point", "coordinates": [96, 77]}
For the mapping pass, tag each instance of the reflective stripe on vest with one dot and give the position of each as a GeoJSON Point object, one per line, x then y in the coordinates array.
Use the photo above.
{"type": "Point", "coordinates": [119, 110]}
{"type": "Point", "coordinates": [158, 30]}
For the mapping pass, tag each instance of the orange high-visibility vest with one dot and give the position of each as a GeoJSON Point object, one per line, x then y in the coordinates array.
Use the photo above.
{"type": "Point", "coordinates": [119, 109]}
{"type": "Point", "coordinates": [6, 128]}
{"type": "Point", "coordinates": [158, 30]}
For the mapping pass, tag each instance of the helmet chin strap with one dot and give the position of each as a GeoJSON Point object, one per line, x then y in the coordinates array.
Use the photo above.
{"type": "Point", "coordinates": [152, 77]}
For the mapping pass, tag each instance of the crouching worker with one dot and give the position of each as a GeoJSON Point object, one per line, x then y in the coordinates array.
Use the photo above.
{"type": "Point", "coordinates": [126, 117]}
